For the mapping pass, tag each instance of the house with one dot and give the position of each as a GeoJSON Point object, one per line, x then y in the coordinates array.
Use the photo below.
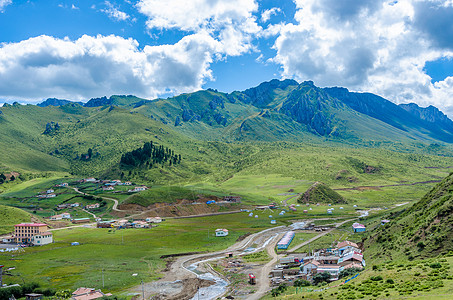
{"type": "Point", "coordinates": [138, 189]}
{"type": "Point", "coordinates": [357, 227]}
{"type": "Point", "coordinates": [88, 294]}
{"type": "Point", "coordinates": [108, 188]}
{"type": "Point", "coordinates": [221, 232]}
{"type": "Point", "coordinates": [61, 216]}
{"type": "Point", "coordinates": [81, 220]}
{"type": "Point", "coordinates": [328, 260]}
{"type": "Point", "coordinates": [50, 195]}
{"type": "Point", "coordinates": [347, 246]}
{"type": "Point", "coordinates": [32, 233]}
{"type": "Point", "coordinates": [154, 220]}
{"type": "Point", "coordinates": [128, 183]}
{"type": "Point", "coordinates": [42, 239]}
{"type": "Point", "coordinates": [49, 191]}
{"type": "Point", "coordinates": [234, 199]}
{"type": "Point", "coordinates": [141, 224]}
{"type": "Point", "coordinates": [310, 267]}
{"type": "Point", "coordinates": [75, 204]}
{"type": "Point", "coordinates": [33, 296]}
{"type": "Point", "coordinates": [273, 222]}
{"type": "Point", "coordinates": [383, 222]}
{"type": "Point", "coordinates": [352, 257]}
{"type": "Point", "coordinates": [90, 179]}
{"type": "Point", "coordinates": [8, 239]}
{"type": "Point", "coordinates": [92, 206]}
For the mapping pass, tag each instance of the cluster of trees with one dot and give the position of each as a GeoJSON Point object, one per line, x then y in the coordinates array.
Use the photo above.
{"type": "Point", "coordinates": [51, 127]}
{"type": "Point", "coordinates": [150, 155]}
{"type": "Point", "coordinates": [87, 156]}
{"type": "Point", "coordinates": [4, 179]}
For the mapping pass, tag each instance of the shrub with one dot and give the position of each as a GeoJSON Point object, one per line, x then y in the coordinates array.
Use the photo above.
{"type": "Point", "coordinates": [348, 272]}
{"type": "Point", "coordinates": [435, 265]}
{"type": "Point", "coordinates": [376, 278]}
{"type": "Point", "coordinates": [321, 277]}
{"type": "Point", "coordinates": [390, 281]}
{"type": "Point", "coordinates": [301, 282]}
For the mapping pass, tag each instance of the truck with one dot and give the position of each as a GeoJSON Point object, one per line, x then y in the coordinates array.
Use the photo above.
{"type": "Point", "coordinates": [289, 260]}
{"type": "Point", "coordinates": [252, 279]}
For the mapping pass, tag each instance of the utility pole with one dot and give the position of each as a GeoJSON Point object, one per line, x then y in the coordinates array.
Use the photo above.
{"type": "Point", "coordinates": [103, 278]}
{"type": "Point", "coordinates": [143, 291]}
{"type": "Point", "coordinates": [1, 276]}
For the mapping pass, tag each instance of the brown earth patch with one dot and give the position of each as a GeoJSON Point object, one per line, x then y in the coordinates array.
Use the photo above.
{"type": "Point", "coordinates": [182, 207]}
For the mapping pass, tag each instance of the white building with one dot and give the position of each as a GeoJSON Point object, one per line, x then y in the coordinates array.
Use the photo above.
{"type": "Point", "coordinates": [221, 232]}
{"type": "Point", "coordinates": [42, 239]}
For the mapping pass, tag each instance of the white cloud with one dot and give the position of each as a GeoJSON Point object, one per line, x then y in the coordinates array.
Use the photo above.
{"type": "Point", "coordinates": [231, 22]}
{"type": "Point", "coordinates": [373, 46]}
{"type": "Point", "coordinates": [74, 7]}
{"type": "Point", "coordinates": [3, 4]}
{"type": "Point", "coordinates": [267, 14]}
{"type": "Point", "coordinates": [114, 13]}
{"type": "Point", "coordinates": [44, 66]}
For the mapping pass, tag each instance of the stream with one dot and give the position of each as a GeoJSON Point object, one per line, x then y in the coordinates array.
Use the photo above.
{"type": "Point", "coordinates": [212, 291]}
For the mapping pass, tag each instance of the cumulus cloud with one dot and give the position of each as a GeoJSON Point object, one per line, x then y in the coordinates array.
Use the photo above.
{"type": "Point", "coordinates": [114, 13]}
{"type": "Point", "coordinates": [231, 22]}
{"type": "Point", "coordinates": [370, 45]}
{"type": "Point", "coordinates": [94, 66]}
{"type": "Point", "coordinates": [3, 4]}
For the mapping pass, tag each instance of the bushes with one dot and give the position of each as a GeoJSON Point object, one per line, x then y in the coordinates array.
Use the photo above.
{"type": "Point", "coordinates": [321, 277]}
{"type": "Point", "coordinates": [348, 272]}
{"type": "Point", "coordinates": [280, 289]}
{"type": "Point", "coordinates": [301, 282]}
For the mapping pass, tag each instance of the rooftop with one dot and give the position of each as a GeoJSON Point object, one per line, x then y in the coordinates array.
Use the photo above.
{"type": "Point", "coordinates": [30, 225]}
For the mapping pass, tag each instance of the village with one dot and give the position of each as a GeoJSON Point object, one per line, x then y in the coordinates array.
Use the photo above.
{"type": "Point", "coordinates": [314, 266]}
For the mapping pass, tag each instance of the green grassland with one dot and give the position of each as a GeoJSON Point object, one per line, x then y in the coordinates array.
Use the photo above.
{"type": "Point", "coordinates": [61, 265]}
{"type": "Point", "coordinates": [9, 216]}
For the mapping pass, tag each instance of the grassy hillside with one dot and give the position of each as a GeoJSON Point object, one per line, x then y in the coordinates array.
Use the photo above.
{"type": "Point", "coordinates": [423, 230]}
{"type": "Point", "coordinates": [321, 193]}
{"type": "Point", "coordinates": [9, 216]}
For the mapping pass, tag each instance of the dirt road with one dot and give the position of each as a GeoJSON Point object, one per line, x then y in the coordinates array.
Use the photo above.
{"type": "Point", "coordinates": [178, 271]}
{"type": "Point", "coordinates": [115, 204]}
{"type": "Point", "coordinates": [263, 282]}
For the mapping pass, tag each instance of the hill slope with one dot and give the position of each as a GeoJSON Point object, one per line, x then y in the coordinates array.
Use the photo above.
{"type": "Point", "coordinates": [9, 216]}
{"type": "Point", "coordinates": [423, 230]}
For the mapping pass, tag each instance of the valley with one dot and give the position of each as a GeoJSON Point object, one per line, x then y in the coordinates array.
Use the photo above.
{"type": "Point", "coordinates": [136, 191]}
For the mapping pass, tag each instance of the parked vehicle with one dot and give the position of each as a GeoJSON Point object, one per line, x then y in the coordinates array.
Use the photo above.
{"type": "Point", "coordinates": [252, 279]}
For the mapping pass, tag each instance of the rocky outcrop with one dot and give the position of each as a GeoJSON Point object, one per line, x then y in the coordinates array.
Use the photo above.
{"type": "Point", "coordinates": [431, 114]}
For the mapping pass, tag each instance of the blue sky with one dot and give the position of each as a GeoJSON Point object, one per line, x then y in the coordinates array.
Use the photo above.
{"type": "Point", "coordinates": [401, 50]}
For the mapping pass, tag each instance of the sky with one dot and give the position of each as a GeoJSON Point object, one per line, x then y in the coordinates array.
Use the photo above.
{"type": "Point", "coordinates": [401, 50]}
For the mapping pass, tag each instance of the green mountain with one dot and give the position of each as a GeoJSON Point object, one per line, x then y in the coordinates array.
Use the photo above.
{"type": "Point", "coordinates": [217, 134]}
{"type": "Point", "coordinates": [423, 230]}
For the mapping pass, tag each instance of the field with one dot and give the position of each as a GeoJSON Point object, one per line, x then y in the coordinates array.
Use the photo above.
{"type": "Point", "coordinates": [61, 265]}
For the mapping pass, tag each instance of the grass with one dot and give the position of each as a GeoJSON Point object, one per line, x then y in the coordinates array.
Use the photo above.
{"type": "Point", "coordinates": [9, 216]}
{"type": "Point", "coordinates": [61, 265]}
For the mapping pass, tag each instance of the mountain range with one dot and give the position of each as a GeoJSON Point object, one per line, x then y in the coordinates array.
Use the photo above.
{"type": "Point", "coordinates": [286, 110]}
{"type": "Point", "coordinates": [225, 128]}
